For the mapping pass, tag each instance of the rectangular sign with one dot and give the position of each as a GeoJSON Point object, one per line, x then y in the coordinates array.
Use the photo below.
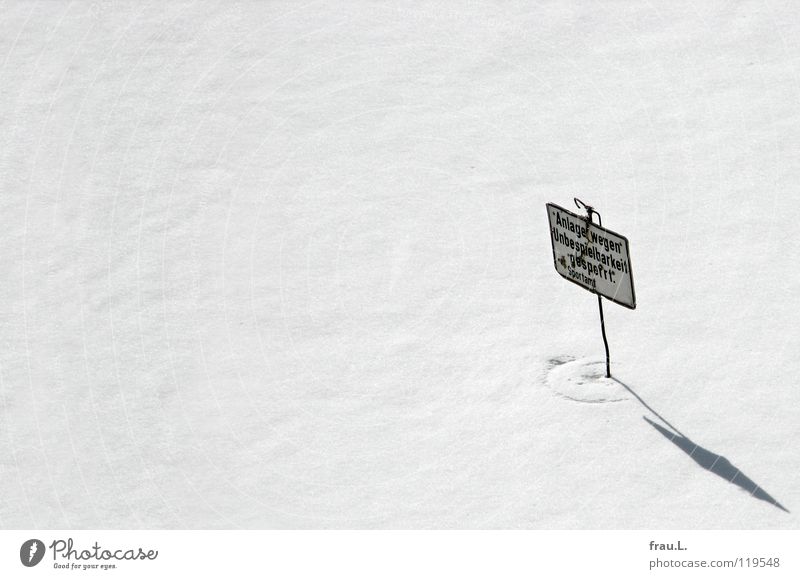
{"type": "Point", "coordinates": [591, 256]}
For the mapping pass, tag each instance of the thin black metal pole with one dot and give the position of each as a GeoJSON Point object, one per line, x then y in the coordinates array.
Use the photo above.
{"type": "Point", "coordinates": [590, 213]}
{"type": "Point", "coordinates": [605, 340]}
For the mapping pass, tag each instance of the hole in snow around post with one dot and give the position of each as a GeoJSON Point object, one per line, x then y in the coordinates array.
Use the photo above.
{"type": "Point", "coordinates": [584, 380]}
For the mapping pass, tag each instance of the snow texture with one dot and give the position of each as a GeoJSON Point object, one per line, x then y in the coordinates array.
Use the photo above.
{"type": "Point", "coordinates": [287, 265]}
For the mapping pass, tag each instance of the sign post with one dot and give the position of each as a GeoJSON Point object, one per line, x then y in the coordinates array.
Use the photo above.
{"type": "Point", "coordinates": [595, 258]}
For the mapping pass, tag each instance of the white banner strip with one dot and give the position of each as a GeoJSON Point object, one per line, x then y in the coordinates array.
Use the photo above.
{"type": "Point", "coordinates": [398, 554]}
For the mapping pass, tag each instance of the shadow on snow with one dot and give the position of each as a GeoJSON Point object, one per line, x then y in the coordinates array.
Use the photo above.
{"type": "Point", "coordinates": [715, 463]}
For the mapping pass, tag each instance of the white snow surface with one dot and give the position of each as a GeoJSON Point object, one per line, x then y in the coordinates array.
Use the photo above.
{"type": "Point", "coordinates": [287, 265]}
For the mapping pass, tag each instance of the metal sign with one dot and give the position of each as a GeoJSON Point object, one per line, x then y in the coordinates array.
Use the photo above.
{"type": "Point", "coordinates": [591, 256]}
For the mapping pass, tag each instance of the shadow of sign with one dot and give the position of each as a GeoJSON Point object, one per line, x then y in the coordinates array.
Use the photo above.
{"type": "Point", "coordinates": [717, 464]}
{"type": "Point", "coordinates": [710, 461]}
